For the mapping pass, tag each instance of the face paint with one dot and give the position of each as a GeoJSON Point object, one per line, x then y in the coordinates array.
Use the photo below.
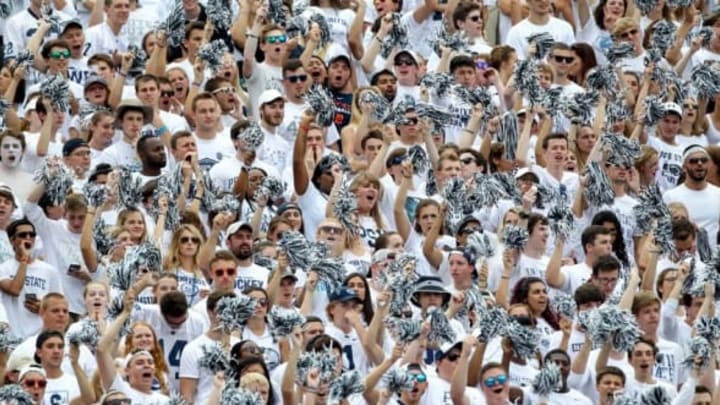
{"type": "Point", "coordinates": [10, 152]}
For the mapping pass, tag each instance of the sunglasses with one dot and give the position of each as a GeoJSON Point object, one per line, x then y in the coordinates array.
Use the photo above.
{"type": "Point", "coordinates": [522, 320]}
{"type": "Point", "coordinates": [411, 121]}
{"type": "Point", "coordinates": [60, 54]}
{"type": "Point", "coordinates": [626, 35]}
{"type": "Point", "coordinates": [262, 302]}
{"type": "Point", "coordinates": [468, 231]}
{"type": "Point", "coordinates": [25, 235]}
{"type": "Point", "coordinates": [167, 94]}
{"type": "Point", "coordinates": [420, 378]}
{"type": "Point", "coordinates": [467, 160]}
{"type": "Point", "coordinates": [406, 314]}
{"type": "Point", "coordinates": [332, 230]}
{"type": "Point", "coordinates": [619, 166]}
{"type": "Point", "coordinates": [297, 78]}
{"type": "Point", "coordinates": [693, 106]}
{"type": "Point", "coordinates": [397, 160]}
{"type": "Point", "coordinates": [193, 239]}
{"type": "Point", "coordinates": [276, 39]}
{"type": "Point", "coordinates": [119, 401]}
{"type": "Point", "coordinates": [474, 18]}
{"type": "Point", "coordinates": [221, 272]}
{"type": "Point", "coordinates": [482, 65]}
{"type": "Point", "coordinates": [404, 62]}
{"type": "Point", "coordinates": [493, 381]}
{"type": "Point", "coordinates": [563, 59]}
{"type": "Point", "coordinates": [35, 383]}
{"type": "Point", "coordinates": [224, 90]}
{"type": "Point", "coordinates": [453, 356]}
{"type": "Point", "coordinates": [694, 161]}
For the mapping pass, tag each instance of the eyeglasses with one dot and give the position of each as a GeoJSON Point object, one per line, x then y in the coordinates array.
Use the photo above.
{"type": "Point", "coordinates": [193, 239]}
{"type": "Point", "coordinates": [222, 272]}
{"type": "Point", "coordinates": [468, 230]}
{"type": "Point", "coordinates": [118, 401]}
{"type": "Point", "coordinates": [693, 106]}
{"type": "Point", "coordinates": [297, 78]}
{"type": "Point", "coordinates": [224, 90]}
{"type": "Point", "coordinates": [167, 93]}
{"type": "Point", "coordinates": [467, 160]}
{"type": "Point", "coordinates": [410, 121]}
{"type": "Point", "coordinates": [694, 161]}
{"type": "Point", "coordinates": [420, 378]}
{"type": "Point", "coordinates": [35, 383]}
{"type": "Point", "coordinates": [453, 356]}
{"type": "Point", "coordinates": [493, 381]}
{"type": "Point", "coordinates": [60, 54]}
{"type": "Point", "coordinates": [276, 39]}
{"type": "Point", "coordinates": [404, 62]}
{"type": "Point", "coordinates": [563, 59]}
{"type": "Point", "coordinates": [25, 235]}
{"type": "Point", "coordinates": [474, 18]}
{"type": "Point", "coordinates": [626, 35]}
{"type": "Point", "coordinates": [332, 230]}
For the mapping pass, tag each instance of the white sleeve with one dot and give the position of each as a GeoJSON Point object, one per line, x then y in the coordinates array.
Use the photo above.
{"type": "Point", "coordinates": [668, 320]}
{"type": "Point", "coordinates": [189, 362]}
{"type": "Point", "coordinates": [3, 314]}
{"type": "Point", "coordinates": [13, 38]}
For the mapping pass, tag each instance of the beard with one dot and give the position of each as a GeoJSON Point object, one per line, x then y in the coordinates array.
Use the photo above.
{"type": "Point", "coordinates": [242, 252]}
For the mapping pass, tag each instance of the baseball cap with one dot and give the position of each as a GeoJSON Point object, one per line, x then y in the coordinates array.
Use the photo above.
{"type": "Point", "coordinates": [236, 226]}
{"type": "Point", "coordinates": [527, 172]}
{"type": "Point", "coordinates": [344, 294]}
{"type": "Point", "coordinates": [671, 107]}
{"type": "Point", "coordinates": [73, 144]}
{"type": "Point", "coordinates": [94, 78]}
{"type": "Point", "coordinates": [382, 255]}
{"type": "Point", "coordinates": [66, 25]}
{"type": "Point", "coordinates": [429, 284]}
{"type": "Point", "coordinates": [6, 191]}
{"type": "Point", "coordinates": [406, 51]}
{"type": "Point", "coordinates": [269, 96]}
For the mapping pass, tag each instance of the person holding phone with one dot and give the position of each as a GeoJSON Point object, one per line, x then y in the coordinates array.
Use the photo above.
{"type": "Point", "coordinates": [24, 280]}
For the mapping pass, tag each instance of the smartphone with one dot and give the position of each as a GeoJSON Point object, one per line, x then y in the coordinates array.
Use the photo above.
{"type": "Point", "coordinates": [73, 268]}
{"type": "Point", "coordinates": [31, 297]}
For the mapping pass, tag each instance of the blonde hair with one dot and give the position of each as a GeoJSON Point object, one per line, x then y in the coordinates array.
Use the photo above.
{"type": "Point", "coordinates": [123, 216]}
{"type": "Point", "coordinates": [161, 367]}
{"type": "Point", "coordinates": [646, 153]}
{"type": "Point", "coordinates": [172, 258]}
{"type": "Point", "coordinates": [254, 378]}
{"type": "Point", "coordinates": [92, 283]}
{"type": "Point", "coordinates": [622, 25]}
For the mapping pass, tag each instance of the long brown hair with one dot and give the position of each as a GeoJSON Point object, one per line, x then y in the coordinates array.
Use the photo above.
{"type": "Point", "coordinates": [161, 368]}
{"type": "Point", "coordinates": [172, 258]}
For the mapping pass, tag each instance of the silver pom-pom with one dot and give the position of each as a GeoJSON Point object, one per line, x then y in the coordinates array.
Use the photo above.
{"type": "Point", "coordinates": [24, 58]}
{"type": "Point", "coordinates": [233, 312]}
{"type": "Point", "coordinates": [480, 244]}
{"type": "Point", "coordinates": [603, 78]}
{"type": "Point", "coordinates": [253, 136]}
{"type": "Point", "coordinates": [646, 6]}
{"type": "Point", "coordinates": [381, 106]}
{"type": "Point", "coordinates": [663, 35]}
{"type": "Point", "coordinates": [349, 383]}
{"type": "Point", "coordinates": [52, 18]}
{"type": "Point", "coordinates": [212, 54]}
{"type": "Point", "coordinates": [87, 334]}
{"type": "Point", "coordinates": [137, 259]}
{"type": "Point", "coordinates": [8, 343]}
{"type": "Point", "coordinates": [508, 133]}
{"type": "Point", "coordinates": [563, 305]}
{"type": "Point", "coordinates": [57, 179]}
{"type": "Point", "coordinates": [399, 278]}
{"type": "Point", "coordinates": [440, 84]}
{"type": "Point", "coordinates": [13, 394]}
{"type": "Point", "coordinates": [663, 235]}
{"type": "Point", "coordinates": [176, 399]}
{"type": "Point", "coordinates": [298, 249]}
{"type": "Point", "coordinates": [273, 188]}
{"type": "Point", "coordinates": [129, 188]}
{"type": "Point", "coordinates": [174, 25]}
{"type": "Point", "coordinates": [331, 271]}
{"type": "Point", "coordinates": [4, 106]}
{"type": "Point", "coordinates": [654, 110]}
{"type": "Point", "coordinates": [454, 196]}
{"type": "Point", "coordinates": [57, 90]}
{"type": "Point", "coordinates": [345, 209]}
{"type": "Point", "coordinates": [706, 33]}
{"type": "Point", "coordinates": [561, 220]}
{"type": "Point", "coordinates": [706, 79]}
{"type": "Point", "coordinates": [580, 106]}
{"type": "Point", "coordinates": [621, 150]}
{"type": "Point", "coordinates": [283, 321]}
{"type": "Point", "coordinates": [700, 349]}
{"type": "Point", "coordinates": [598, 190]}
{"type": "Point", "coordinates": [650, 207]}
{"type": "Point", "coordinates": [616, 111]}
{"type": "Point", "coordinates": [656, 395]}
{"type": "Point", "coordinates": [396, 38]}
{"type": "Point", "coordinates": [492, 323]}
{"type": "Point", "coordinates": [708, 328]}
{"type": "Point", "coordinates": [321, 103]}
{"type": "Point", "coordinates": [477, 95]}
{"type": "Point", "coordinates": [321, 21]}
{"type": "Point", "coordinates": [548, 380]}
{"type": "Point", "coordinates": [214, 358]}
{"type": "Point", "coordinates": [405, 330]}
{"type": "Point", "coordinates": [487, 191]}
{"type": "Point", "coordinates": [6, 8]}
{"type": "Point", "coordinates": [543, 42]}
{"type": "Point", "coordinates": [619, 51]}
{"type": "Point", "coordinates": [139, 59]}
{"type": "Point", "coordinates": [226, 203]}
{"type": "Point", "coordinates": [515, 237]}
{"type": "Point", "coordinates": [397, 381]}
{"type": "Point", "coordinates": [232, 395]}
{"type": "Point", "coordinates": [608, 323]}
{"type": "Point", "coordinates": [325, 361]}
{"type": "Point", "coordinates": [553, 101]}
{"type": "Point", "coordinates": [524, 340]}
{"type": "Point", "coordinates": [440, 329]}
{"type": "Point", "coordinates": [276, 12]}
{"type": "Point", "coordinates": [527, 81]}
{"type": "Point", "coordinates": [419, 159]}
{"type": "Point", "coordinates": [457, 41]}
{"type": "Point", "coordinates": [115, 308]}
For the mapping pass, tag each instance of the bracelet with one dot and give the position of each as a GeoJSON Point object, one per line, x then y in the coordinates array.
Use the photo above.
{"type": "Point", "coordinates": [504, 277]}
{"type": "Point", "coordinates": [468, 131]}
{"type": "Point", "coordinates": [251, 35]}
{"type": "Point", "coordinates": [196, 84]}
{"type": "Point", "coordinates": [197, 198]}
{"type": "Point", "coordinates": [122, 74]}
{"type": "Point", "coordinates": [378, 39]}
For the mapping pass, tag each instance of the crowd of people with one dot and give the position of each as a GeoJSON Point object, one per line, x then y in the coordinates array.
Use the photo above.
{"type": "Point", "coordinates": [359, 202]}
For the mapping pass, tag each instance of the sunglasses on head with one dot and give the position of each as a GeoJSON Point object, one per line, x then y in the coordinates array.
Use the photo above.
{"type": "Point", "coordinates": [420, 377]}
{"type": "Point", "coordinates": [276, 39]}
{"type": "Point", "coordinates": [224, 90]}
{"type": "Point", "coordinates": [493, 381]}
{"type": "Point", "coordinates": [60, 54]}
{"type": "Point", "coordinates": [193, 239]}
{"type": "Point", "coordinates": [694, 161]}
{"type": "Point", "coordinates": [482, 65]}
{"type": "Point", "coordinates": [627, 34]}
{"type": "Point", "coordinates": [397, 160]}
{"type": "Point", "coordinates": [167, 93]}
{"type": "Point", "coordinates": [563, 59]}
{"type": "Point", "coordinates": [25, 235]}
{"type": "Point", "coordinates": [35, 383]}
{"type": "Point", "coordinates": [297, 78]}
{"type": "Point", "coordinates": [221, 272]}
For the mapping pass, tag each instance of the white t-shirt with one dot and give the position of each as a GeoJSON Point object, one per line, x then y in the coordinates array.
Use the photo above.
{"type": "Point", "coordinates": [62, 390]}
{"type": "Point", "coordinates": [212, 151]}
{"type": "Point", "coordinates": [438, 393]}
{"type": "Point", "coordinates": [556, 398]}
{"type": "Point", "coordinates": [263, 77]}
{"type": "Point", "coordinates": [119, 154]}
{"type": "Point", "coordinates": [225, 172]}
{"type": "Point", "coordinates": [635, 388]}
{"type": "Point", "coordinates": [560, 30]}
{"type": "Point", "coordinates": [575, 276]}
{"type": "Point", "coordinates": [87, 359]}
{"type": "Point", "coordinates": [354, 357]}
{"type": "Point", "coordinates": [703, 214]}
{"type": "Point", "coordinates": [668, 363]}
{"type": "Point", "coordinates": [103, 40]}
{"type": "Point", "coordinates": [137, 397]}
{"type": "Point", "coordinates": [270, 348]}
{"type": "Point", "coordinates": [275, 150]}
{"type": "Point", "coordinates": [189, 367]}
{"type": "Point", "coordinates": [701, 56]}
{"type": "Point", "coordinates": [40, 279]}
{"type": "Point", "coordinates": [31, 161]}
{"type": "Point", "coordinates": [313, 205]}
{"type": "Point", "coordinates": [251, 276]}
{"type": "Point", "coordinates": [669, 163]}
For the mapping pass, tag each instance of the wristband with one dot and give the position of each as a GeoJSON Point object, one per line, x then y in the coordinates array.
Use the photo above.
{"type": "Point", "coordinates": [122, 74]}
{"type": "Point", "coordinates": [251, 35]}
{"type": "Point", "coordinates": [161, 130]}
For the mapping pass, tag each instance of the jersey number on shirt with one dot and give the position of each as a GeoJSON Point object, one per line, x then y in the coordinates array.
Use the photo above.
{"type": "Point", "coordinates": [349, 354]}
{"type": "Point", "coordinates": [174, 355]}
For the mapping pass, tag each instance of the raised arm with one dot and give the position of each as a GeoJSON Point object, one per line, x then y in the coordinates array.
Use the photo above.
{"type": "Point", "coordinates": [460, 375]}
{"type": "Point", "coordinates": [555, 278]}
{"type": "Point", "coordinates": [433, 254]}
{"type": "Point", "coordinates": [108, 343]}
{"type": "Point", "coordinates": [402, 222]}
{"type": "Point", "coordinates": [355, 33]}
{"type": "Point", "coordinates": [301, 177]}
{"type": "Point", "coordinates": [371, 395]}
{"type": "Point", "coordinates": [251, 42]}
